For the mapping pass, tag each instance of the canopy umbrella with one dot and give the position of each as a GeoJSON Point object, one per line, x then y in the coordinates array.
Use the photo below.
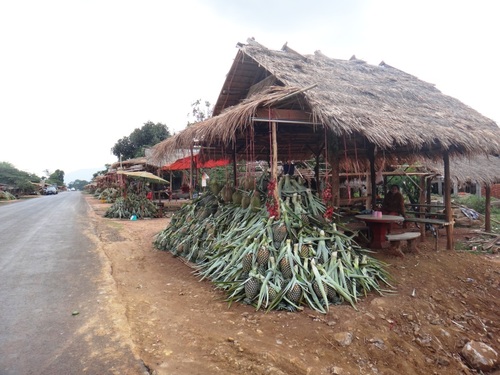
{"type": "Point", "coordinates": [145, 175]}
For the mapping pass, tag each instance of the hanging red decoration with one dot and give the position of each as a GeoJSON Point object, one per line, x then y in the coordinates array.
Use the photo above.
{"type": "Point", "coordinates": [327, 199]}
{"type": "Point", "coordinates": [271, 203]}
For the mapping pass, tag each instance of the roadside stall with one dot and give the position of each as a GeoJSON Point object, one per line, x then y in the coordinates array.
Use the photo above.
{"type": "Point", "coordinates": [268, 240]}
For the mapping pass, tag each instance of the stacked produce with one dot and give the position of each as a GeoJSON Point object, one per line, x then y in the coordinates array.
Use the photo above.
{"type": "Point", "coordinates": [285, 261]}
{"type": "Point", "coordinates": [5, 195]}
{"type": "Point", "coordinates": [108, 195]}
{"type": "Point", "coordinates": [132, 205]}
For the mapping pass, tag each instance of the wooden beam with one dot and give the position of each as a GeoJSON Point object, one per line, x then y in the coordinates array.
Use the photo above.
{"type": "Point", "coordinates": [283, 114]}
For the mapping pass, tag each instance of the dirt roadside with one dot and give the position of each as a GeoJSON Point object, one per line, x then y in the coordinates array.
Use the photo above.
{"type": "Point", "coordinates": [182, 326]}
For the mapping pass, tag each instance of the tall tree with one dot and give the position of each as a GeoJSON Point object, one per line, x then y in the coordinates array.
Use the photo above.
{"type": "Point", "coordinates": [133, 146]}
{"type": "Point", "coordinates": [78, 184]}
{"type": "Point", "coordinates": [56, 178]}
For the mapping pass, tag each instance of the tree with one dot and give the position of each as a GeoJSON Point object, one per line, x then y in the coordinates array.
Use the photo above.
{"type": "Point", "coordinates": [133, 146]}
{"type": "Point", "coordinates": [56, 178]}
{"type": "Point", "coordinates": [198, 113]}
{"type": "Point", "coordinates": [123, 148]}
{"type": "Point", "coordinates": [78, 184]}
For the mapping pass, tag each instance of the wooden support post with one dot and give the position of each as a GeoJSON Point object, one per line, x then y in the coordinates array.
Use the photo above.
{"type": "Point", "coordinates": [191, 182]}
{"type": "Point", "coordinates": [447, 204]}
{"type": "Point", "coordinates": [371, 158]}
{"type": "Point", "coordinates": [274, 165]}
{"type": "Point", "coordinates": [235, 169]}
{"type": "Point", "coordinates": [333, 160]}
{"type": "Point", "coordinates": [421, 200]}
{"type": "Point", "coordinates": [428, 189]}
{"type": "Point", "coordinates": [487, 209]}
{"type": "Point", "coordinates": [369, 197]}
{"type": "Point", "coordinates": [171, 189]}
{"type": "Point", "coordinates": [317, 175]}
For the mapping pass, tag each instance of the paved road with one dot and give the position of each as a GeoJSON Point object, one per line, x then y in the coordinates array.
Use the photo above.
{"type": "Point", "coordinates": [53, 295]}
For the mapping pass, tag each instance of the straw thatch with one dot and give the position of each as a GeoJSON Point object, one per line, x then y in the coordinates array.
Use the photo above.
{"type": "Point", "coordinates": [324, 105]}
{"type": "Point", "coordinates": [141, 161]}
{"type": "Point", "coordinates": [481, 169]}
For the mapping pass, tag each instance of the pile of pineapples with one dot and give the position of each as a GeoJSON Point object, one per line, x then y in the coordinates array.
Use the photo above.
{"type": "Point", "coordinates": [108, 195]}
{"type": "Point", "coordinates": [299, 259]}
{"type": "Point", "coordinates": [132, 205]}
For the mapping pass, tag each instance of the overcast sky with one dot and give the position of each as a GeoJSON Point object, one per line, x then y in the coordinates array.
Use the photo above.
{"type": "Point", "coordinates": [76, 76]}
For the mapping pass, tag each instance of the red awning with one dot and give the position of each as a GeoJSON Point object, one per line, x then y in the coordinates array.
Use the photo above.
{"type": "Point", "coordinates": [185, 163]}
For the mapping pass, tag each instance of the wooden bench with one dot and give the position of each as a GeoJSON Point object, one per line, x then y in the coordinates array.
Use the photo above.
{"type": "Point", "coordinates": [426, 214]}
{"type": "Point", "coordinates": [396, 239]}
{"type": "Point", "coordinates": [435, 225]}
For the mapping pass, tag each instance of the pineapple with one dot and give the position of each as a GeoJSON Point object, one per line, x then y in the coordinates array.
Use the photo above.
{"type": "Point", "coordinates": [237, 197]}
{"type": "Point", "coordinates": [215, 187]}
{"type": "Point", "coordinates": [245, 201]}
{"type": "Point", "coordinates": [285, 268]}
{"type": "Point", "coordinates": [247, 262]}
{"type": "Point", "coordinates": [252, 286]}
{"type": "Point", "coordinates": [227, 193]}
{"type": "Point", "coordinates": [255, 203]}
{"type": "Point", "coordinates": [263, 255]}
{"type": "Point", "coordinates": [305, 250]}
{"type": "Point", "coordinates": [249, 183]}
{"type": "Point", "coordinates": [330, 292]}
{"type": "Point", "coordinates": [279, 234]}
{"type": "Point", "coordinates": [272, 294]}
{"type": "Point", "coordinates": [294, 294]}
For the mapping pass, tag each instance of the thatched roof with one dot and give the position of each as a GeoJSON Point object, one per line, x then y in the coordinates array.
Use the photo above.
{"type": "Point", "coordinates": [354, 105]}
{"type": "Point", "coordinates": [129, 162]}
{"type": "Point", "coordinates": [481, 169]}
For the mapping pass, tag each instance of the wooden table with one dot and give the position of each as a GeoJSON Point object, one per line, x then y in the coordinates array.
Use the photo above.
{"type": "Point", "coordinates": [379, 227]}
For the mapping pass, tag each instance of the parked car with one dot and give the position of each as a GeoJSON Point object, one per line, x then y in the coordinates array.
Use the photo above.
{"type": "Point", "coordinates": [50, 190]}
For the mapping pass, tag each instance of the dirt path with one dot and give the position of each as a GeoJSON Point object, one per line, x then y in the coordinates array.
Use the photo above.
{"type": "Point", "coordinates": [182, 326]}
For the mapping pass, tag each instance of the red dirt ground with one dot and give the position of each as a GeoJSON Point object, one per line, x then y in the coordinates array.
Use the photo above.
{"type": "Point", "coordinates": [180, 325]}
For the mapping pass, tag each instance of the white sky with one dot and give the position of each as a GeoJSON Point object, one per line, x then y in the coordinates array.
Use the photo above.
{"type": "Point", "coordinates": [76, 76]}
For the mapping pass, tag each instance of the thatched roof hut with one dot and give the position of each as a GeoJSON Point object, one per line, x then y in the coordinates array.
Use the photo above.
{"type": "Point", "coordinates": [483, 170]}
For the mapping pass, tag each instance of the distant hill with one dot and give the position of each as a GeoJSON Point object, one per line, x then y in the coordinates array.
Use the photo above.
{"type": "Point", "coordinates": [81, 174]}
